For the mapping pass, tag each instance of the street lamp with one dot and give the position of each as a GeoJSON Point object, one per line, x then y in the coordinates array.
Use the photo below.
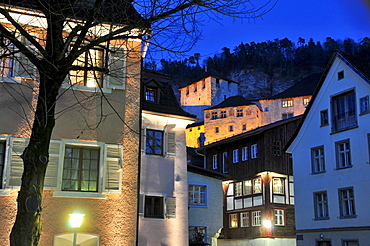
{"type": "Point", "coordinates": [75, 220]}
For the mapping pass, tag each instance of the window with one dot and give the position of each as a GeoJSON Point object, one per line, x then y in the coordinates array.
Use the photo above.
{"type": "Point", "coordinates": [287, 103]}
{"type": "Point", "coordinates": [279, 217]}
{"type": "Point", "coordinates": [217, 129]}
{"type": "Point", "coordinates": [197, 195]}
{"type": "Point", "coordinates": [88, 76]}
{"type": "Point", "coordinates": [2, 158]}
{"type": "Point", "coordinates": [7, 60]}
{"type": "Point", "coordinates": [321, 206]}
{"type": "Point", "coordinates": [187, 90]}
{"type": "Point", "coordinates": [340, 75]}
{"type": "Point", "coordinates": [195, 88]}
{"type": "Point", "coordinates": [238, 188]}
{"type": "Point", "coordinates": [154, 142]}
{"type": "Point", "coordinates": [247, 187]}
{"type": "Point", "coordinates": [231, 128]}
{"type": "Point", "coordinates": [306, 101]}
{"type": "Point", "coordinates": [214, 115]}
{"type": "Point", "coordinates": [217, 82]}
{"type": "Point", "coordinates": [154, 207]}
{"type": "Point", "coordinates": [344, 111]}
{"type": "Point", "coordinates": [278, 186]}
{"type": "Point", "coordinates": [214, 162]}
{"type": "Point", "coordinates": [364, 105]}
{"type": "Point", "coordinates": [203, 84]}
{"type": "Point", "coordinates": [350, 243]}
{"type": "Point", "coordinates": [287, 116]}
{"type": "Point", "coordinates": [318, 160]}
{"type": "Point", "coordinates": [266, 109]}
{"type": "Point", "coordinates": [244, 127]}
{"type": "Point", "coordinates": [225, 164]}
{"type": "Point", "coordinates": [239, 112]}
{"type": "Point", "coordinates": [257, 186]}
{"type": "Point", "coordinates": [233, 220]}
{"type": "Point", "coordinates": [346, 203]}
{"type": "Point", "coordinates": [254, 151]}
{"type": "Point", "coordinates": [277, 148]}
{"type": "Point", "coordinates": [235, 156]}
{"type": "Point", "coordinates": [151, 94]}
{"type": "Point", "coordinates": [197, 234]}
{"type": "Point", "coordinates": [244, 219]}
{"type": "Point", "coordinates": [324, 118]}
{"type": "Point", "coordinates": [343, 154]}
{"type": "Point", "coordinates": [256, 218]}
{"type": "Point", "coordinates": [223, 114]}
{"type": "Point", "coordinates": [244, 153]}
{"type": "Point", "coordinates": [80, 169]}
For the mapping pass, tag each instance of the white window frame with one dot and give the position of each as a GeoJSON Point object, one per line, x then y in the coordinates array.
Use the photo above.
{"type": "Point", "coordinates": [235, 155]}
{"type": "Point", "coordinates": [347, 202]}
{"type": "Point", "coordinates": [233, 218]}
{"type": "Point", "coordinates": [343, 155]}
{"type": "Point", "coordinates": [279, 217]}
{"type": "Point", "coordinates": [215, 161]}
{"type": "Point", "coordinates": [321, 205]}
{"type": "Point", "coordinates": [256, 218]}
{"type": "Point", "coordinates": [200, 195]}
{"type": "Point", "coordinates": [254, 151]}
{"type": "Point", "coordinates": [318, 159]}
{"type": "Point", "coordinates": [364, 105]}
{"type": "Point", "coordinates": [245, 153]}
{"type": "Point", "coordinates": [244, 219]}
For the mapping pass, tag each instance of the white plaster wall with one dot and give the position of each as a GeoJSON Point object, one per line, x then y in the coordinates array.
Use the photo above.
{"type": "Point", "coordinates": [258, 242]}
{"type": "Point", "coordinates": [210, 216]}
{"type": "Point", "coordinates": [312, 135]}
{"type": "Point", "coordinates": [336, 238]}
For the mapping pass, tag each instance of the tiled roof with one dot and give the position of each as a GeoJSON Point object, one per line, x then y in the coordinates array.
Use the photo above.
{"type": "Point", "coordinates": [233, 101]}
{"type": "Point", "coordinates": [304, 87]}
{"type": "Point", "coordinates": [168, 103]}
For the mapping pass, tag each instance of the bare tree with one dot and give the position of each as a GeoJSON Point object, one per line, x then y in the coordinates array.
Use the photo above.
{"type": "Point", "coordinates": [57, 34]}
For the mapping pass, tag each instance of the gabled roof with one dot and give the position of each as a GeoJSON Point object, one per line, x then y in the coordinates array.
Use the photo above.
{"type": "Point", "coordinates": [198, 123]}
{"type": "Point", "coordinates": [359, 65]}
{"type": "Point", "coordinates": [305, 87]}
{"type": "Point", "coordinates": [167, 100]}
{"type": "Point", "coordinates": [210, 73]}
{"type": "Point", "coordinates": [233, 101]}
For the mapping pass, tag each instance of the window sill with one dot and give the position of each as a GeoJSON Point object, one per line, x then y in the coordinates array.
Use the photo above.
{"type": "Point", "coordinates": [321, 218]}
{"type": "Point", "coordinates": [72, 194]}
{"type": "Point", "coordinates": [192, 205]}
{"type": "Point", "coordinates": [348, 217]}
{"type": "Point", "coordinates": [364, 113]}
{"type": "Point", "coordinates": [341, 168]}
{"type": "Point", "coordinates": [343, 130]}
{"type": "Point", "coordinates": [85, 88]}
{"type": "Point", "coordinates": [319, 172]}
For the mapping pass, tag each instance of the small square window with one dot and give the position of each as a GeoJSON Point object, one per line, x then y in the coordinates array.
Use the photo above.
{"type": "Point", "coordinates": [340, 75]}
{"type": "Point", "coordinates": [197, 195]}
{"type": "Point", "coordinates": [306, 101]}
{"type": "Point", "coordinates": [214, 115]}
{"type": "Point", "coordinates": [244, 127]}
{"type": "Point", "coordinates": [364, 105]}
{"type": "Point", "coordinates": [217, 129]}
{"type": "Point", "coordinates": [154, 207]}
{"type": "Point", "coordinates": [231, 128]}
{"type": "Point", "coordinates": [266, 109]}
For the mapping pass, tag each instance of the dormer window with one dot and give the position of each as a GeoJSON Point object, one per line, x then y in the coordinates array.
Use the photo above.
{"type": "Point", "coordinates": [151, 94]}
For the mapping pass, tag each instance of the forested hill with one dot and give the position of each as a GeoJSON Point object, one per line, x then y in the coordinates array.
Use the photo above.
{"type": "Point", "coordinates": [266, 68]}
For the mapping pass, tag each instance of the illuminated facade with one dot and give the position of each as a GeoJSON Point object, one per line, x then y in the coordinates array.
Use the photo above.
{"type": "Point", "coordinates": [330, 154]}
{"type": "Point", "coordinates": [94, 150]}
{"type": "Point", "coordinates": [163, 208]}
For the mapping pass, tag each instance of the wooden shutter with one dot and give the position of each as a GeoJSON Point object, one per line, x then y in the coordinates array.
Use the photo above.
{"type": "Point", "coordinates": [141, 205]}
{"type": "Point", "coordinates": [16, 164]}
{"type": "Point", "coordinates": [171, 143]}
{"type": "Point", "coordinates": [171, 207]}
{"type": "Point", "coordinates": [52, 171]}
{"type": "Point", "coordinates": [117, 70]}
{"type": "Point", "coordinates": [113, 172]}
{"type": "Point", "coordinates": [142, 144]}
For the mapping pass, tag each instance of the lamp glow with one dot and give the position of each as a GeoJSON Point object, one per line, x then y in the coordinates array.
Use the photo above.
{"type": "Point", "coordinates": [267, 223]}
{"type": "Point", "coordinates": [76, 217]}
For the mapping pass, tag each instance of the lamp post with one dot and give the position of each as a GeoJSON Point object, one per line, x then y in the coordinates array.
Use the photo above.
{"type": "Point", "coordinates": [75, 221]}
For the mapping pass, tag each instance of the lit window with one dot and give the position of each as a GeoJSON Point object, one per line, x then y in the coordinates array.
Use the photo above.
{"type": "Point", "coordinates": [347, 203]}
{"type": "Point", "coordinates": [233, 220]}
{"type": "Point", "coordinates": [197, 195]}
{"type": "Point", "coordinates": [318, 160]}
{"type": "Point", "coordinates": [324, 118]}
{"type": "Point", "coordinates": [287, 103]}
{"type": "Point", "coordinates": [223, 114]}
{"type": "Point", "coordinates": [150, 94]}
{"type": "Point", "coordinates": [344, 111]}
{"type": "Point", "coordinates": [154, 142]}
{"type": "Point", "coordinates": [364, 105]}
{"type": "Point", "coordinates": [244, 153]}
{"type": "Point", "coordinates": [214, 162]}
{"type": "Point", "coordinates": [239, 112]}
{"type": "Point", "coordinates": [80, 169]}
{"type": "Point", "coordinates": [257, 186]}
{"type": "Point", "coordinates": [254, 151]}
{"type": "Point", "coordinates": [306, 101]}
{"type": "Point", "coordinates": [343, 154]}
{"type": "Point", "coordinates": [154, 207]}
{"type": "Point", "coordinates": [279, 217]}
{"type": "Point", "coordinates": [321, 206]}
{"type": "Point", "coordinates": [244, 219]}
{"type": "Point", "coordinates": [235, 156]}
{"type": "Point", "coordinates": [256, 218]}
{"type": "Point", "coordinates": [214, 115]}
{"type": "Point", "coordinates": [247, 187]}
{"type": "Point", "coordinates": [238, 188]}
{"type": "Point", "coordinates": [278, 186]}
{"type": "Point", "coordinates": [89, 75]}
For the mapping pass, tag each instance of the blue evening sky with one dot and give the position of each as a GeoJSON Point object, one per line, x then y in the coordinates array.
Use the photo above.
{"type": "Point", "coordinates": [315, 19]}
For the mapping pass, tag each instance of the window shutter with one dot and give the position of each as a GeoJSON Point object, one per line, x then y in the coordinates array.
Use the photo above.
{"type": "Point", "coordinates": [16, 164]}
{"type": "Point", "coordinates": [117, 70]}
{"type": "Point", "coordinates": [171, 207]}
{"type": "Point", "coordinates": [23, 67]}
{"type": "Point", "coordinates": [113, 172]}
{"type": "Point", "coordinates": [171, 143]}
{"type": "Point", "coordinates": [142, 145]}
{"type": "Point", "coordinates": [52, 174]}
{"type": "Point", "coordinates": [141, 205]}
